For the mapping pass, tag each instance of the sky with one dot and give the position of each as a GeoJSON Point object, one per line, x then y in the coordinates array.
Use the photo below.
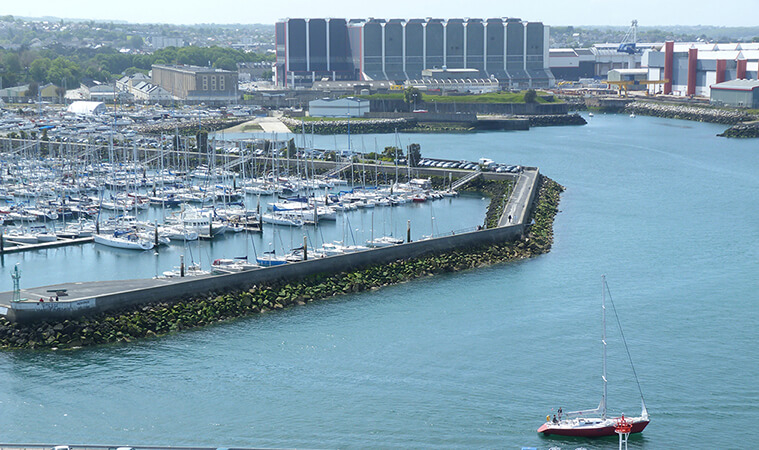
{"type": "Point", "coordinates": [550, 12]}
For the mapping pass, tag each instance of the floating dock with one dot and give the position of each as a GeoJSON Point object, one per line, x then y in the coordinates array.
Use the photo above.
{"type": "Point", "coordinates": [21, 247]}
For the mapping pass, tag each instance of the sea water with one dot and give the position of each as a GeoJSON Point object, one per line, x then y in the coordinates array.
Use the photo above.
{"type": "Point", "coordinates": [474, 359]}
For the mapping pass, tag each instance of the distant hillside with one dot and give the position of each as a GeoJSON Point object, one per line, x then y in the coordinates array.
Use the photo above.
{"type": "Point", "coordinates": [586, 36]}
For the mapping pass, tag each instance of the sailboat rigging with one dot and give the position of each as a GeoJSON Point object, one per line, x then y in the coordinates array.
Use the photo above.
{"type": "Point", "coordinates": [596, 422]}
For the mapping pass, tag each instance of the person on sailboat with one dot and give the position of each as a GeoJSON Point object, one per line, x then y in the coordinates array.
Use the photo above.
{"type": "Point", "coordinates": [554, 419]}
{"type": "Point", "coordinates": [560, 411]}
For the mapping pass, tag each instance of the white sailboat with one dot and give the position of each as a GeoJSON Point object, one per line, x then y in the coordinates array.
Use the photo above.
{"type": "Point", "coordinates": [130, 241]}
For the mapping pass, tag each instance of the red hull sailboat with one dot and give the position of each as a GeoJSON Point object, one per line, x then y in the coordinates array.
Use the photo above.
{"type": "Point", "coordinates": [596, 422]}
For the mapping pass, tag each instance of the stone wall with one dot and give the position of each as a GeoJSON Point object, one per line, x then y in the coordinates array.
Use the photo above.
{"type": "Point", "coordinates": [174, 291]}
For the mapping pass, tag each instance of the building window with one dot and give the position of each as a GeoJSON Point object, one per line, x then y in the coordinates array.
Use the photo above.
{"type": "Point", "coordinates": [213, 83]}
{"type": "Point", "coordinates": [205, 83]}
{"type": "Point", "coordinates": [221, 82]}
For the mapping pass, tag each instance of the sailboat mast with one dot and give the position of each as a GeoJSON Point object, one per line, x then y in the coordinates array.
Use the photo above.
{"type": "Point", "coordinates": [603, 341]}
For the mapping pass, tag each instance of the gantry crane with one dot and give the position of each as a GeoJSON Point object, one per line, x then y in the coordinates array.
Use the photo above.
{"type": "Point", "coordinates": [622, 85]}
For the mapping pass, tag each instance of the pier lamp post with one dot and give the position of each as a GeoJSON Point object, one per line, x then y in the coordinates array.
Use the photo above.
{"type": "Point", "coordinates": [16, 276]}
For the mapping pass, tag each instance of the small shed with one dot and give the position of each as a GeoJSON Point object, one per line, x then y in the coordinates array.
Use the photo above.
{"type": "Point", "coordinates": [338, 107]}
{"type": "Point", "coordinates": [86, 108]}
{"type": "Point", "coordinates": [634, 75]}
{"type": "Point", "coordinates": [738, 93]}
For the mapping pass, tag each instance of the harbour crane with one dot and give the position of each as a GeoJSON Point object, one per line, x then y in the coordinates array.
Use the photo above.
{"type": "Point", "coordinates": [623, 84]}
{"type": "Point", "coordinates": [630, 40]}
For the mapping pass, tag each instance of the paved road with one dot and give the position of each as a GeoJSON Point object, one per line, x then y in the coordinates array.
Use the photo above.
{"type": "Point", "coordinates": [519, 200]}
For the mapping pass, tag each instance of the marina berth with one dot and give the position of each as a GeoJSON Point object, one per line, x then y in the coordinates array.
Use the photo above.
{"type": "Point", "coordinates": [191, 270]}
{"type": "Point", "coordinates": [226, 265]}
{"type": "Point", "coordinates": [383, 241]}
{"type": "Point", "coordinates": [284, 218]}
{"type": "Point", "coordinates": [269, 259]}
{"type": "Point", "coordinates": [129, 241]}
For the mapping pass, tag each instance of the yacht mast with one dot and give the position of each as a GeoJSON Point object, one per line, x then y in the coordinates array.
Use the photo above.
{"type": "Point", "coordinates": [603, 341]}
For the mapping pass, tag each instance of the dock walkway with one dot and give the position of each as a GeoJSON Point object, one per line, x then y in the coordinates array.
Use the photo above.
{"type": "Point", "coordinates": [520, 199]}
{"type": "Point", "coordinates": [21, 247]}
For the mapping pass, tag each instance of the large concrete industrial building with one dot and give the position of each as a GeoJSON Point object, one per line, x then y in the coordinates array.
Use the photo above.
{"type": "Point", "coordinates": [571, 64]}
{"type": "Point", "coordinates": [510, 50]}
{"type": "Point", "coordinates": [197, 84]}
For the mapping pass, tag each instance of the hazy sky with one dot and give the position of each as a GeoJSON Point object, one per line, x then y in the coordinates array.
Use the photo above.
{"type": "Point", "coordinates": [550, 12]}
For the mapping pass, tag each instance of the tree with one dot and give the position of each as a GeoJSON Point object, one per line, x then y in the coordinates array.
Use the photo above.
{"type": "Point", "coordinates": [226, 63]}
{"type": "Point", "coordinates": [12, 63]}
{"type": "Point", "coordinates": [414, 154]}
{"type": "Point", "coordinates": [64, 72]}
{"type": "Point", "coordinates": [201, 137]}
{"type": "Point", "coordinates": [33, 89]}
{"type": "Point", "coordinates": [411, 96]}
{"type": "Point", "coordinates": [392, 152]}
{"type": "Point", "coordinates": [291, 149]}
{"type": "Point", "coordinates": [135, 42]}
{"type": "Point", "coordinates": [38, 69]}
{"type": "Point", "coordinates": [530, 96]}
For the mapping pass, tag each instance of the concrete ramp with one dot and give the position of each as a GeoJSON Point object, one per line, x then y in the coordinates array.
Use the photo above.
{"type": "Point", "coordinates": [272, 125]}
{"type": "Point", "coordinates": [464, 180]}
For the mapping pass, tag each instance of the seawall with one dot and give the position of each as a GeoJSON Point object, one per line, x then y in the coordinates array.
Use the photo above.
{"type": "Point", "coordinates": [742, 130]}
{"type": "Point", "coordinates": [177, 290]}
{"type": "Point", "coordinates": [698, 114]}
{"type": "Point", "coordinates": [395, 105]}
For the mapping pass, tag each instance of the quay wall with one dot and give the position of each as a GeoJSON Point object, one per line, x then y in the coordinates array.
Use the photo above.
{"type": "Point", "coordinates": [394, 105]}
{"type": "Point", "coordinates": [742, 130]}
{"type": "Point", "coordinates": [174, 291]}
{"type": "Point", "coordinates": [695, 113]}
{"type": "Point", "coordinates": [426, 117]}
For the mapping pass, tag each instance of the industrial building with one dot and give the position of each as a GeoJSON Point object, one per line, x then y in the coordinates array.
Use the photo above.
{"type": "Point", "coordinates": [338, 107]}
{"type": "Point", "coordinates": [737, 93]}
{"type": "Point", "coordinates": [571, 64]}
{"type": "Point", "coordinates": [510, 50]}
{"type": "Point", "coordinates": [692, 68]}
{"type": "Point", "coordinates": [197, 84]}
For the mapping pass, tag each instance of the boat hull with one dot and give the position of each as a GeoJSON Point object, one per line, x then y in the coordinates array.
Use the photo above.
{"type": "Point", "coordinates": [599, 430]}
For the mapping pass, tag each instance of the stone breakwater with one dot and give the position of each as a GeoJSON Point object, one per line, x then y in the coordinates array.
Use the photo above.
{"type": "Point", "coordinates": [551, 120]}
{"type": "Point", "coordinates": [363, 126]}
{"type": "Point", "coordinates": [185, 126]}
{"type": "Point", "coordinates": [150, 321]}
{"type": "Point", "coordinates": [743, 130]}
{"type": "Point", "coordinates": [698, 114]}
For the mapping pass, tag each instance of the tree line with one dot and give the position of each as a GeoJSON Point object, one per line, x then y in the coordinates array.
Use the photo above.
{"type": "Point", "coordinates": [67, 67]}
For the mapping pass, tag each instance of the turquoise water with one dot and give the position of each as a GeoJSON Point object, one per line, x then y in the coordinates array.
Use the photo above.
{"type": "Point", "coordinates": [475, 359]}
{"type": "Point", "coordinates": [92, 262]}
